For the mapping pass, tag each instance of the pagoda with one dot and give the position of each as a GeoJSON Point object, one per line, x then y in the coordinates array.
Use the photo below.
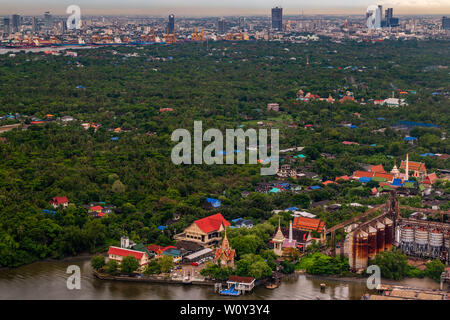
{"type": "Point", "coordinates": [225, 254]}
{"type": "Point", "coordinates": [278, 241]}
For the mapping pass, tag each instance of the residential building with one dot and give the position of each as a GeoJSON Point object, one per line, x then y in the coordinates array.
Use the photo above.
{"type": "Point", "coordinates": [59, 202]}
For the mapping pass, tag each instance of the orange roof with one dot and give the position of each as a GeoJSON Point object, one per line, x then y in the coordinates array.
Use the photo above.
{"type": "Point", "coordinates": [374, 190]}
{"type": "Point", "coordinates": [431, 178]}
{"type": "Point", "coordinates": [328, 182]}
{"type": "Point", "coordinates": [414, 166]}
{"type": "Point", "coordinates": [309, 224]}
{"type": "Point", "coordinates": [377, 168]}
{"type": "Point", "coordinates": [360, 174]}
{"type": "Point", "coordinates": [345, 178]}
{"type": "Point", "coordinates": [225, 254]}
{"type": "Point", "coordinates": [212, 223]}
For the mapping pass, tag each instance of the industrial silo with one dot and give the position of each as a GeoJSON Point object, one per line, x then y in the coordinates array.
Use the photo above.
{"type": "Point", "coordinates": [372, 242]}
{"type": "Point", "coordinates": [436, 243]}
{"type": "Point", "coordinates": [361, 250]}
{"type": "Point", "coordinates": [421, 242]}
{"type": "Point", "coordinates": [389, 234]}
{"type": "Point", "coordinates": [407, 240]}
{"type": "Point", "coordinates": [380, 236]}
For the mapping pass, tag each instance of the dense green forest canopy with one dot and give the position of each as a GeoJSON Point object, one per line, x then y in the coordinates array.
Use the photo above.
{"type": "Point", "coordinates": [223, 84]}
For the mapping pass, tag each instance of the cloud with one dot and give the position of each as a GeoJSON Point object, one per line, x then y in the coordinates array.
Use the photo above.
{"type": "Point", "coordinates": [415, 3]}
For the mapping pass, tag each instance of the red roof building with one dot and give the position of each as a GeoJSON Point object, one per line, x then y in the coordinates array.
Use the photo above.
{"type": "Point", "coordinates": [430, 179]}
{"type": "Point", "coordinates": [389, 177]}
{"type": "Point", "coordinates": [359, 174]}
{"type": "Point", "coordinates": [344, 178]}
{"type": "Point", "coordinates": [377, 169]}
{"type": "Point", "coordinates": [117, 254]}
{"type": "Point", "coordinates": [206, 231]}
{"type": "Point", "coordinates": [59, 201]}
{"type": "Point", "coordinates": [308, 224]}
{"type": "Point", "coordinates": [212, 223]}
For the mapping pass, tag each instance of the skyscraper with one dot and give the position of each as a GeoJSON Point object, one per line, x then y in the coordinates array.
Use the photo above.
{"type": "Point", "coordinates": [171, 24]}
{"type": "Point", "coordinates": [277, 18]}
{"type": "Point", "coordinates": [35, 25]}
{"type": "Point", "coordinates": [6, 26]}
{"type": "Point", "coordinates": [445, 23]}
{"type": "Point", "coordinates": [15, 23]}
{"type": "Point", "coordinates": [221, 26]}
{"type": "Point", "coordinates": [389, 20]}
{"type": "Point", "coordinates": [48, 19]}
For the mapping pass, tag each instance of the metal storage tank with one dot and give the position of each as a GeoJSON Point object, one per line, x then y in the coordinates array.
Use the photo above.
{"type": "Point", "coordinates": [421, 242]}
{"type": "Point", "coordinates": [447, 240]}
{"type": "Point", "coordinates": [389, 234]}
{"type": "Point", "coordinates": [436, 242]}
{"type": "Point", "coordinates": [407, 239]}
{"type": "Point", "coordinates": [361, 250]}
{"type": "Point", "coordinates": [380, 236]}
{"type": "Point", "coordinates": [372, 242]}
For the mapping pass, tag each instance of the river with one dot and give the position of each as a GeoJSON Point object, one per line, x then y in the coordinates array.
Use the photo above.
{"type": "Point", "coordinates": [46, 280]}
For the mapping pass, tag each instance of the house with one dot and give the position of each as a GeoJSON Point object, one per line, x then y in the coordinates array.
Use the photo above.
{"type": "Point", "coordinates": [173, 252]}
{"type": "Point", "coordinates": [430, 179]}
{"type": "Point", "coordinates": [66, 119]}
{"type": "Point", "coordinates": [273, 106]}
{"type": "Point", "coordinates": [59, 202]}
{"type": "Point", "coordinates": [242, 223]}
{"type": "Point", "coordinates": [342, 178]}
{"type": "Point", "coordinates": [395, 102]}
{"type": "Point", "coordinates": [117, 254]}
{"type": "Point", "coordinates": [205, 231]}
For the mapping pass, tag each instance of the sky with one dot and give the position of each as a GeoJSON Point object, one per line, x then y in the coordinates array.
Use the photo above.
{"type": "Point", "coordinates": [220, 7]}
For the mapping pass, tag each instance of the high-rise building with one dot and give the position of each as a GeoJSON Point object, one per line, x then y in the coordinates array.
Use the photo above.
{"type": "Point", "coordinates": [277, 18]}
{"type": "Point", "coordinates": [35, 25]}
{"type": "Point", "coordinates": [15, 23]}
{"type": "Point", "coordinates": [171, 24]}
{"type": "Point", "coordinates": [221, 26]}
{"type": "Point", "coordinates": [241, 22]}
{"type": "Point", "coordinates": [380, 7]}
{"type": "Point", "coordinates": [48, 19]}
{"type": "Point", "coordinates": [445, 23]}
{"type": "Point", "coordinates": [389, 20]}
{"type": "Point", "coordinates": [6, 26]}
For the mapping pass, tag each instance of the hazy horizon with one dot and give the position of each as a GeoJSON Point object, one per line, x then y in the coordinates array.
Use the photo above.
{"type": "Point", "coordinates": [216, 8]}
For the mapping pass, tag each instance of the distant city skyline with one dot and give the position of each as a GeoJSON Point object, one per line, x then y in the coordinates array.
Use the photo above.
{"type": "Point", "coordinates": [216, 8]}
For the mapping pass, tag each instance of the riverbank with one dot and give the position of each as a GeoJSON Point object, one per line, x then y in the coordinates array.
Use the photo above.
{"type": "Point", "coordinates": [151, 279]}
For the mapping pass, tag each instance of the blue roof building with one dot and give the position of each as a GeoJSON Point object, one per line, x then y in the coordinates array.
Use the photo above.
{"type": "Point", "coordinates": [365, 179]}
{"type": "Point", "coordinates": [213, 202]}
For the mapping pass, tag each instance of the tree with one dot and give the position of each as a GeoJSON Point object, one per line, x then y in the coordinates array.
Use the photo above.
{"type": "Point", "coordinates": [129, 264]}
{"type": "Point", "coordinates": [152, 267]}
{"type": "Point", "coordinates": [111, 266]}
{"type": "Point", "coordinates": [166, 263]}
{"type": "Point", "coordinates": [434, 270]}
{"type": "Point", "coordinates": [98, 262]}
{"type": "Point", "coordinates": [393, 264]}
{"type": "Point", "coordinates": [288, 267]}
{"type": "Point", "coordinates": [118, 187]}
